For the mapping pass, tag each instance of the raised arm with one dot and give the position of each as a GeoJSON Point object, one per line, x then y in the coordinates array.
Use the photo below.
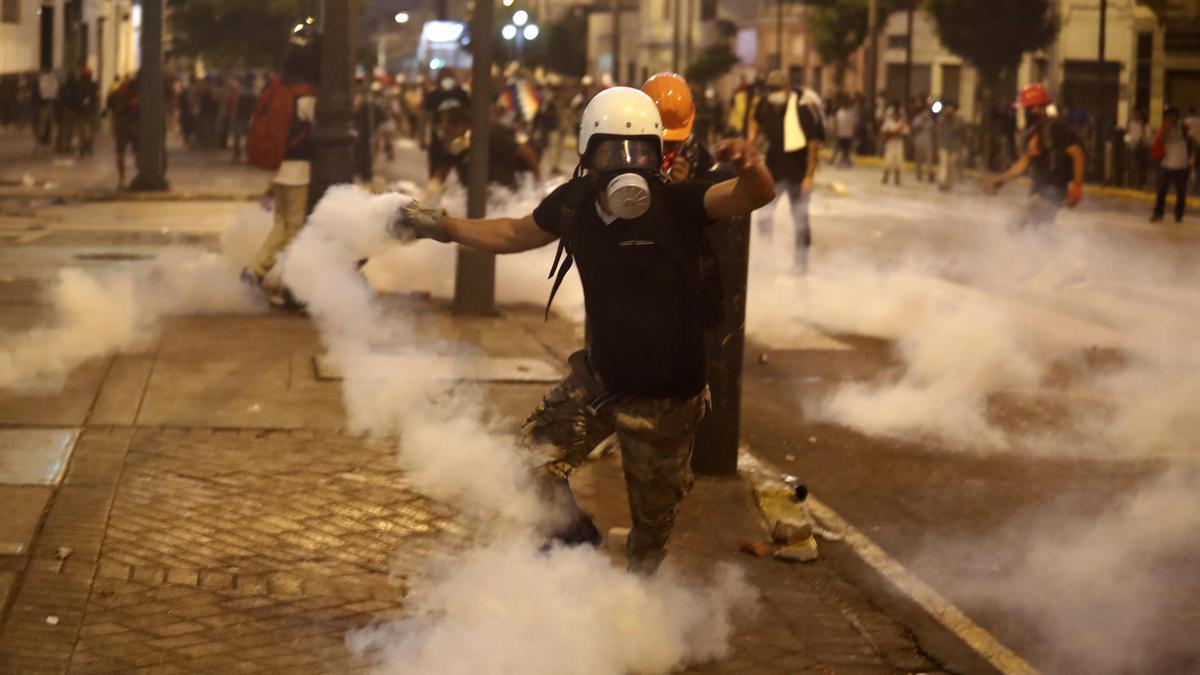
{"type": "Point", "coordinates": [739, 196]}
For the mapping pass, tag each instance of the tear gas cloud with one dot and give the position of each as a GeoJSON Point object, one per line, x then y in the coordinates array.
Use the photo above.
{"type": "Point", "coordinates": [502, 607]}
{"type": "Point", "coordinates": [508, 609]}
{"type": "Point", "coordinates": [99, 313]}
{"type": "Point", "coordinates": [996, 316]}
{"type": "Point", "coordinates": [1106, 593]}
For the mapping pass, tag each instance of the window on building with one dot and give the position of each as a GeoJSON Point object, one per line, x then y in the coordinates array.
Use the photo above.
{"type": "Point", "coordinates": [708, 10]}
{"type": "Point", "coordinates": [899, 41]}
{"type": "Point", "coordinates": [1176, 41]}
{"type": "Point", "coordinates": [10, 11]}
{"type": "Point", "coordinates": [951, 83]}
{"type": "Point", "coordinates": [895, 78]}
{"type": "Point", "coordinates": [666, 5]}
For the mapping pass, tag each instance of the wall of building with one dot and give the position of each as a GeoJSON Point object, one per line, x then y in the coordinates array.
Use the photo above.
{"type": "Point", "coordinates": [20, 41]}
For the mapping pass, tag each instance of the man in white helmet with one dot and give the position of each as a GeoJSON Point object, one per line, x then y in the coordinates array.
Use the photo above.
{"type": "Point", "coordinates": [635, 237]}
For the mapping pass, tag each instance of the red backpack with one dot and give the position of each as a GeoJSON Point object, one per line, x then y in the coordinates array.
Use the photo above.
{"type": "Point", "coordinates": [270, 136]}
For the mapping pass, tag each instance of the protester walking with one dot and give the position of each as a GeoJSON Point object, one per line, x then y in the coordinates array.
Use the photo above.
{"type": "Point", "coordinates": [87, 112]}
{"type": "Point", "coordinates": [1135, 149]}
{"type": "Point", "coordinates": [642, 374]}
{"type": "Point", "coordinates": [951, 132]}
{"type": "Point", "coordinates": [845, 126]}
{"type": "Point", "coordinates": [922, 139]}
{"type": "Point", "coordinates": [1175, 149]}
{"type": "Point", "coordinates": [1053, 156]}
{"type": "Point", "coordinates": [893, 132]}
{"type": "Point", "coordinates": [789, 121]}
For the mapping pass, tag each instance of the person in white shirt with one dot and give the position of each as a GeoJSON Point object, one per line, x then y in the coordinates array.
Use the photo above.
{"type": "Point", "coordinates": [1135, 149]}
{"type": "Point", "coordinates": [845, 123]}
{"type": "Point", "coordinates": [1175, 148]}
{"type": "Point", "coordinates": [894, 130]}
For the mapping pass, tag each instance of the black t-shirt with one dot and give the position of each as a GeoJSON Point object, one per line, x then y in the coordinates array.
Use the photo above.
{"type": "Point", "coordinates": [787, 165]}
{"type": "Point", "coordinates": [1050, 167]}
{"type": "Point", "coordinates": [646, 333]}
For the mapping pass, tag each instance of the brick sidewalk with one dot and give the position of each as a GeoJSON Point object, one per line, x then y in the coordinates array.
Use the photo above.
{"type": "Point", "coordinates": [214, 517]}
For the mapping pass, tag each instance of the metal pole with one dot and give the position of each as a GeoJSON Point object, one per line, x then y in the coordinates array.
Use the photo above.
{"type": "Point", "coordinates": [779, 35]}
{"type": "Point", "coordinates": [689, 21]}
{"type": "Point", "coordinates": [872, 60]}
{"type": "Point", "coordinates": [475, 275]}
{"type": "Point", "coordinates": [675, 41]}
{"type": "Point", "coordinates": [333, 138]}
{"type": "Point", "coordinates": [1101, 103]}
{"type": "Point", "coordinates": [152, 129]}
{"type": "Point", "coordinates": [616, 41]}
{"type": "Point", "coordinates": [718, 436]}
{"type": "Point", "coordinates": [908, 50]}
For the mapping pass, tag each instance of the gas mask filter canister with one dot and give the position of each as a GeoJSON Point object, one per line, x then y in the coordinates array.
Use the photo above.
{"type": "Point", "coordinates": [628, 196]}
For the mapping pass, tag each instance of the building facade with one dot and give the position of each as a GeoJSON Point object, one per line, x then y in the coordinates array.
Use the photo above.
{"type": "Point", "coordinates": [39, 35]}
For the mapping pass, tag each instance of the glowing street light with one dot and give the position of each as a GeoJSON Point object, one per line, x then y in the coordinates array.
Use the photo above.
{"type": "Point", "coordinates": [506, 3]}
{"type": "Point", "coordinates": [402, 17]}
{"type": "Point", "coordinates": [531, 31]}
{"type": "Point", "coordinates": [509, 32]}
{"type": "Point", "coordinates": [520, 17]}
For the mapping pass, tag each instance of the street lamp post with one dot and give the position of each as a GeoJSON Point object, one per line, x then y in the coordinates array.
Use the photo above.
{"type": "Point", "coordinates": [152, 123]}
{"type": "Point", "coordinates": [475, 274]}
{"type": "Point", "coordinates": [333, 138]}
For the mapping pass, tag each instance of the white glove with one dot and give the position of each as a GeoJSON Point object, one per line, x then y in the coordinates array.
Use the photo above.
{"type": "Point", "coordinates": [414, 221]}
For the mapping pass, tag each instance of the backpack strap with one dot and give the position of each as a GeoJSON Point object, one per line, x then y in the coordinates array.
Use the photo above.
{"type": "Point", "coordinates": [563, 255]}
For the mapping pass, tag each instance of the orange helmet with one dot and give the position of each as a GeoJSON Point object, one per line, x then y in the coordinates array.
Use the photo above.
{"type": "Point", "coordinates": [673, 97]}
{"type": "Point", "coordinates": [1033, 95]}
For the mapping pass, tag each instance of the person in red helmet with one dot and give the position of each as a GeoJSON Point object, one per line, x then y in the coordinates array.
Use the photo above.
{"type": "Point", "coordinates": [1052, 154]}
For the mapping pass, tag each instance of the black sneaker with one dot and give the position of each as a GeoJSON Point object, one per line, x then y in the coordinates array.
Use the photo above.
{"type": "Point", "coordinates": [578, 532]}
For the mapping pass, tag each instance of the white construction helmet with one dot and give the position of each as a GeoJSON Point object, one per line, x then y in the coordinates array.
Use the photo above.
{"type": "Point", "coordinates": [620, 112]}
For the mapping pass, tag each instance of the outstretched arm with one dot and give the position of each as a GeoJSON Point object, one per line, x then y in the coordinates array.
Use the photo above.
{"type": "Point", "coordinates": [491, 235]}
{"type": "Point", "coordinates": [497, 235]}
{"type": "Point", "coordinates": [739, 196]}
{"type": "Point", "coordinates": [1019, 167]}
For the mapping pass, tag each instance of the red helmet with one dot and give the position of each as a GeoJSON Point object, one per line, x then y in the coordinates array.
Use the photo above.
{"type": "Point", "coordinates": [1034, 95]}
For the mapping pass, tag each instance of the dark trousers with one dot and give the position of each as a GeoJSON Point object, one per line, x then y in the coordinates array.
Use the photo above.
{"type": "Point", "coordinates": [1167, 178]}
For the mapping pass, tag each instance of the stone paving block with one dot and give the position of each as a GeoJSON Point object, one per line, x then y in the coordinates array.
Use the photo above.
{"type": "Point", "coordinates": [121, 393]}
{"type": "Point", "coordinates": [22, 507]}
{"type": "Point", "coordinates": [68, 407]}
{"type": "Point", "coordinates": [35, 456]}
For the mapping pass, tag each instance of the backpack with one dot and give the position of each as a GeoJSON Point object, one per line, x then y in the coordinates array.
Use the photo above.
{"type": "Point", "coordinates": [708, 296]}
{"type": "Point", "coordinates": [270, 135]}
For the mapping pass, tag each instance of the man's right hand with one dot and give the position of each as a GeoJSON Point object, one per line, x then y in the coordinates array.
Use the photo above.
{"type": "Point", "coordinates": [992, 184]}
{"type": "Point", "coordinates": [414, 221]}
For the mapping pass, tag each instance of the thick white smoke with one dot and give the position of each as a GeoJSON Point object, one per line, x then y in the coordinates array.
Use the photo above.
{"type": "Point", "coordinates": [99, 313]}
{"type": "Point", "coordinates": [991, 314]}
{"type": "Point", "coordinates": [507, 609]}
{"type": "Point", "coordinates": [504, 607]}
{"type": "Point", "coordinates": [1106, 592]}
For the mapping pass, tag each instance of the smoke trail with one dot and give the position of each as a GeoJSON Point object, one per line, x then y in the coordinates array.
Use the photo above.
{"type": "Point", "coordinates": [1106, 593]}
{"type": "Point", "coordinates": [496, 608]}
{"type": "Point", "coordinates": [96, 314]}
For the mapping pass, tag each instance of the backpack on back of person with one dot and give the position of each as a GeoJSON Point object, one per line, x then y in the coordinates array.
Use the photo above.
{"type": "Point", "coordinates": [270, 135]}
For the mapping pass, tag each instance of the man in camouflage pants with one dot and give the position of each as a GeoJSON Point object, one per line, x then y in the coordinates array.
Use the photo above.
{"type": "Point", "coordinates": [656, 452]}
{"type": "Point", "coordinates": [636, 238]}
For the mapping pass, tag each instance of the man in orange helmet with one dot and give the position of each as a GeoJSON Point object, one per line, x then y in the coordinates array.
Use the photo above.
{"type": "Point", "coordinates": [1052, 154]}
{"type": "Point", "coordinates": [684, 156]}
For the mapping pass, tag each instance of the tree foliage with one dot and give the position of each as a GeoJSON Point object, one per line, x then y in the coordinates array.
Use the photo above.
{"type": "Point", "coordinates": [562, 46]}
{"type": "Point", "coordinates": [713, 62]}
{"type": "Point", "coordinates": [992, 35]}
{"type": "Point", "coordinates": [839, 27]}
{"type": "Point", "coordinates": [235, 32]}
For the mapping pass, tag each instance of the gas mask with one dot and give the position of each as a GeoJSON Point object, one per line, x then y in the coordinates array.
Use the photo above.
{"type": "Point", "coordinates": [621, 166]}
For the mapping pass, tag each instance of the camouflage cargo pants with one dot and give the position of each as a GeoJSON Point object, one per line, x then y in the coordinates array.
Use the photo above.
{"type": "Point", "coordinates": [656, 437]}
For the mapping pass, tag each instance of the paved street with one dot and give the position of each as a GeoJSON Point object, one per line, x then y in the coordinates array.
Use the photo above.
{"type": "Point", "coordinates": [197, 504]}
